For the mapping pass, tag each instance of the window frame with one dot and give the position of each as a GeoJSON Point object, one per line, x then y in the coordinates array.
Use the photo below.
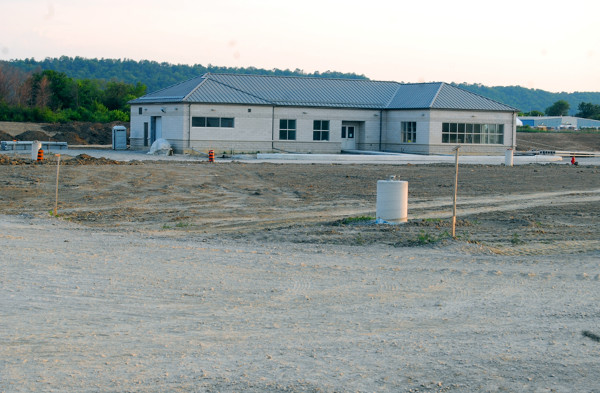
{"type": "Point", "coordinates": [408, 131]}
{"type": "Point", "coordinates": [286, 131]}
{"type": "Point", "coordinates": [321, 129]}
{"type": "Point", "coordinates": [213, 122]}
{"type": "Point", "coordinates": [473, 133]}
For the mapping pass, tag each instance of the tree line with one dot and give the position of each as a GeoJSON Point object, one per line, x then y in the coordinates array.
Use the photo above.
{"type": "Point", "coordinates": [531, 100]}
{"type": "Point", "coordinates": [586, 110]}
{"type": "Point", "coordinates": [153, 74]}
{"type": "Point", "coordinates": [76, 88]}
{"type": "Point", "coordinates": [52, 96]}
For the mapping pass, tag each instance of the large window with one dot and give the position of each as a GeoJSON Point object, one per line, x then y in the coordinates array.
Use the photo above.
{"type": "Point", "coordinates": [488, 134]}
{"type": "Point", "coordinates": [321, 130]}
{"type": "Point", "coordinates": [224, 122]}
{"type": "Point", "coordinates": [287, 129]}
{"type": "Point", "coordinates": [409, 131]}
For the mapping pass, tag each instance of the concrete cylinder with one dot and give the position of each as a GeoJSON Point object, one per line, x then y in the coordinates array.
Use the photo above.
{"type": "Point", "coordinates": [35, 146]}
{"type": "Point", "coordinates": [392, 201]}
{"type": "Point", "coordinates": [508, 157]}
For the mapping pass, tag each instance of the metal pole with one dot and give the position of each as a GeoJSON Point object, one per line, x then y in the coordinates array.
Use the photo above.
{"type": "Point", "coordinates": [57, 170]}
{"type": "Point", "coordinates": [455, 192]}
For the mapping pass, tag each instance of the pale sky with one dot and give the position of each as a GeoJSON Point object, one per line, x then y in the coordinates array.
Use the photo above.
{"type": "Point", "coordinates": [550, 45]}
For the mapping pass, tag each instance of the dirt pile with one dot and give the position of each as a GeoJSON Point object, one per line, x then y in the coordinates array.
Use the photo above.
{"type": "Point", "coordinates": [84, 159]}
{"type": "Point", "coordinates": [8, 160]}
{"type": "Point", "coordinates": [34, 136]}
{"type": "Point", "coordinates": [4, 136]}
{"type": "Point", "coordinates": [82, 133]}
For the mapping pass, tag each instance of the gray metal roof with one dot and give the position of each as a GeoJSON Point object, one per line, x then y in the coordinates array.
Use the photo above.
{"type": "Point", "coordinates": [320, 92]}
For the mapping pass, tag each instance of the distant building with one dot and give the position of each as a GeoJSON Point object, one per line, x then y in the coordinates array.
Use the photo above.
{"type": "Point", "coordinates": [249, 113]}
{"type": "Point", "coordinates": [559, 122]}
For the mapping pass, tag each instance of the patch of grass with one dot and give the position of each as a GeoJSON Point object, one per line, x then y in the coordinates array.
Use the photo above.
{"type": "Point", "coordinates": [166, 226]}
{"type": "Point", "coordinates": [182, 225]}
{"type": "Point", "coordinates": [516, 239]}
{"type": "Point", "coordinates": [354, 220]}
{"type": "Point", "coordinates": [359, 240]}
{"type": "Point", "coordinates": [427, 238]}
{"type": "Point", "coordinates": [435, 220]}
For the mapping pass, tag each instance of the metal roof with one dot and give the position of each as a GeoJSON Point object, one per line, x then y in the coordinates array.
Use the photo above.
{"type": "Point", "coordinates": [320, 92]}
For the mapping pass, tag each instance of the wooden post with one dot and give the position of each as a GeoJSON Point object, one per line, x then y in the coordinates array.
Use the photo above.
{"type": "Point", "coordinates": [455, 192]}
{"type": "Point", "coordinates": [57, 170]}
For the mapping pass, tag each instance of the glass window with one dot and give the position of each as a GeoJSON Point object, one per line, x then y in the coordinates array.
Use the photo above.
{"type": "Point", "coordinates": [213, 122]}
{"type": "Point", "coordinates": [227, 122]}
{"type": "Point", "coordinates": [409, 131]}
{"type": "Point", "coordinates": [198, 121]}
{"type": "Point", "coordinates": [472, 133]}
{"type": "Point", "coordinates": [287, 129]}
{"type": "Point", "coordinates": [320, 130]}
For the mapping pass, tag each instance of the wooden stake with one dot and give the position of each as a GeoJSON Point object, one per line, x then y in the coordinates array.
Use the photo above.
{"type": "Point", "coordinates": [455, 192]}
{"type": "Point", "coordinates": [57, 170]}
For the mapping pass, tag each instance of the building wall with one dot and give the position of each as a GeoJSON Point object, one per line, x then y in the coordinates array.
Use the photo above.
{"type": "Point", "coordinates": [256, 129]}
{"type": "Point", "coordinates": [172, 121]}
{"type": "Point", "coordinates": [392, 135]}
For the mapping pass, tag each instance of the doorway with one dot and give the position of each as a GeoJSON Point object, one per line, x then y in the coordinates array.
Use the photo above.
{"type": "Point", "coordinates": [349, 136]}
{"type": "Point", "coordinates": [155, 128]}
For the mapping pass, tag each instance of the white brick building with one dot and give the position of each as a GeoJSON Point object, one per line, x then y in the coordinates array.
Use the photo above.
{"type": "Point", "coordinates": [250, 113]}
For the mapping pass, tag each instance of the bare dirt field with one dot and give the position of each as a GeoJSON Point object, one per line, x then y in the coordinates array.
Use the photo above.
{"type": "Point", "coordinates": [189, 276]}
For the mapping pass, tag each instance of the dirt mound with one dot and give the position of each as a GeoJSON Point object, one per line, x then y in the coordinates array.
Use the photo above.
{"type": "Point", "coordinates": [84, 159]}
{"type": "Point", "coordinates": [82, 133]}
{"type": "Point", "coordinates": [8, 160]}
{"type": "Point", "coordinates": [33, 136]}
{"type": "Point", "coordinates": [72, 138]}
{"type": "Point", "coordinates": [5, 136]}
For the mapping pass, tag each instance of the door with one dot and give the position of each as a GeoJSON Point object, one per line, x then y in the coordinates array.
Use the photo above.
{"type": "Point", "coordinates": [348, 137]}
{"type": "Point", "coordinates": [155, 128]}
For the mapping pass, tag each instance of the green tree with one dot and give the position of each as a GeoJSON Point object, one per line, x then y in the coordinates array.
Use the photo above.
{"type": "Point", "coordinates": [533, 113]}
{"type": "Point", "coordinates": [588, 110]}
{"type": "Point", "coordinates": [559, 108]}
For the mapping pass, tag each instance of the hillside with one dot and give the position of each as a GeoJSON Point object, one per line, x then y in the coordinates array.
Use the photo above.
{"type": "Point", "coordinates": [156, 76]}
{"type": "Point", "coordinates": [527, 100]}
{"type": "Point", "coordinates": [151, 73]}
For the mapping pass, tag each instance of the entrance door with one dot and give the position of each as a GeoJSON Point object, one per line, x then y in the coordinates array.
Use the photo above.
{"type": "Point", "coordinates": [348, 137]}
{"type": "Point", "coordinates": [155, 128]}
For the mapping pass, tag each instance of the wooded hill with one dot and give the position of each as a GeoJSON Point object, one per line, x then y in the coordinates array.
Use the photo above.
{"type": "Point", "coordinates": [156, 75]}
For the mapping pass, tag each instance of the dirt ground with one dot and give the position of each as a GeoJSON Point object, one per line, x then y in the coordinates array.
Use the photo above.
{"type": "Point", "coordinates": [190, 276]}
{"type": "Point", "coordinates": [514, 208]}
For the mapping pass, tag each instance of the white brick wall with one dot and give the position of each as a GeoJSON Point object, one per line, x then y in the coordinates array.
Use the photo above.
{"type": "Point", "coordinates": [257, 128]}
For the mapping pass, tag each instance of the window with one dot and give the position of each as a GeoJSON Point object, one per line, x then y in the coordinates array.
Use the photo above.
{"type": "Point", "coordinates": [198, 121]}
{"type": "Point", "coordinates": [213, 122]}
{"type": "Point", "coordinates": [140, 110]}
{"type": "Point", "coordinates": [321, 130]}
{"type": "Point", "coordinates": [223, 122]}
{"type": "Point", "coordinates": [347, 132]}
{"type": "Point", "coordinates": [287, 129]}
{"type": "Point", "coordinates": [146, 134]}
{"type": "Point", "coordinates": [491, 134]}
{"type": "Point", "coordinates": [227, 122]}
{"type": "Point", "coordinates": [409, 131]}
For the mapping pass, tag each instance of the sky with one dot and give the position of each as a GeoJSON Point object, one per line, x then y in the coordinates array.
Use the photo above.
{"type": "Point", "coordinates": [549, 45]}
